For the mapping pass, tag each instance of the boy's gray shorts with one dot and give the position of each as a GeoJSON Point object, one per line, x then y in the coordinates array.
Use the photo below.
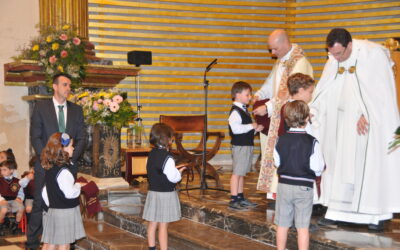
{"type": "Point", "coordinates": [242, 157]}
{"type": "Point", "coordinates": [13, 206]}
{"type": "Point", "coordinates": [293, 203]}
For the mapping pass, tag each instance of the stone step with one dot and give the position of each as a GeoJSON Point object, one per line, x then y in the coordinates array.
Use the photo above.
{"type": "Point", "coordinates": [183, 234]}
{"type": "Point", "coordinates": [102, 236]}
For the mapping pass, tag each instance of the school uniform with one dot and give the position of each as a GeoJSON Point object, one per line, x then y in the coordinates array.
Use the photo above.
{"type": "Point", "coordinates": [28, 187]}
{"type": "Point", "coordinates": [62, 221]}
{"type": "Point", "coordinates": [9, 191]}
{"type": "Point", "coordinates": [299, 160]}
{"type": "Point", "coordinates": [242, 139]}
{"type": "Point", "coordinates": [162, 201]}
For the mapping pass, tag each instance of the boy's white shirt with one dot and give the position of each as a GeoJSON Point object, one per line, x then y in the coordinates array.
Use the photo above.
{"type": "Point", "coordinates": [317, 162]}
{"type": "Point", "coordinates": [235, 121]}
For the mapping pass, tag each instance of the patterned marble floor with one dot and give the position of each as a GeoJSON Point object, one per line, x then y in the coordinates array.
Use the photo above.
{"type": "Point", "coordinates": [354, 235]}
{"type": "Point", "coordinates": [357, 236]}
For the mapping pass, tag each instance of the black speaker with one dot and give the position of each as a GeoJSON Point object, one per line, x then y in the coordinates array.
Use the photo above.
{"type": "Point", "coordinates": [139, 58]}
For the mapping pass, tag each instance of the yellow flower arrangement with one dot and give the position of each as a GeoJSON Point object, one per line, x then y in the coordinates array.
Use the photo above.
{"type": "Point", "coordinates": [55, 46]}
{"type": "Point", "coordinates": [58, 51]}
{"type": "Point", "coordinates": [110, 108]}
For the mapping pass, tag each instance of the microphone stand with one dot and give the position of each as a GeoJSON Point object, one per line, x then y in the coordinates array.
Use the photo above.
{"type": "Point", "coordinates": [203, 182]}
{"type": "Point", "coordinates": [138, 138]}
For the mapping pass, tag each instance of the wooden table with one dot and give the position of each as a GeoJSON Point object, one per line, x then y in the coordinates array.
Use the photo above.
{"type": "Point", "coordinates": [136, 160]}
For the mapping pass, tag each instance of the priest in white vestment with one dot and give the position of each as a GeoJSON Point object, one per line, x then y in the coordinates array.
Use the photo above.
{"type": "Point", "coordinates": [291, 60]}
{"type": "Point", "coordinates": [355, 116]}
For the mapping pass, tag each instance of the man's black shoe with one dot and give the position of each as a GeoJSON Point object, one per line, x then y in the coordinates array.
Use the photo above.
{"type": "Point", "coordinates": [326, 222]}
{"type": "Point", "coordinates": [376, 227]}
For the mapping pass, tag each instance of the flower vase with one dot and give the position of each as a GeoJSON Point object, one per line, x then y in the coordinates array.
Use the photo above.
{"type": "Point", "coordinates": [130, 137]}
{"type": "Point", "coordinates": [85, 162]}
{"type": "Point", "coordinates": [106, 152]}
{"type": "Point", "coordinates": [139, 133]}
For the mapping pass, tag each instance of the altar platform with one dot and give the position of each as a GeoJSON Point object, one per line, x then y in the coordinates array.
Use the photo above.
{"type": "Point", "coordinates": [207, 223]}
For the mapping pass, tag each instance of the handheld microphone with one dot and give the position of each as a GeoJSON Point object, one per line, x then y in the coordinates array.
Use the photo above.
{"type": "Point", "coordinates": [211, 64]}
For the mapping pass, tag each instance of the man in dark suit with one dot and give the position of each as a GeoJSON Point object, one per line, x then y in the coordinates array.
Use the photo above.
{"type": "Point", "coordinates": [48, 117]}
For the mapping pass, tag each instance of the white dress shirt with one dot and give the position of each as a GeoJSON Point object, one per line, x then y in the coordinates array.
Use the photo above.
{"type": "Point", "coordinates": [56, 104]}
{"type": "Point", "coordinates": [235, 121]}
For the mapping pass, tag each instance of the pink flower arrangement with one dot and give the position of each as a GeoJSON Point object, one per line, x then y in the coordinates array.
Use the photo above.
{"type": "Point", "coordinates": [100, 108]}
{"type": "Point", "coordinates": [63, 37]}
{"type": "Point", "coordinates": [114, 107]}
{"type": "Point", "coordinates": [76, 41]}
{"type": "Point", "coordinates": [53, 59]}
{"type": "Point", "coordinates": [64, 54]}
{"type": "Point", "coordinates": [58, 50]}
{"type": "Point", "coordinates": [95, 106]}
{"type": "Point", "coordinates": [107, 102]}
{"type": "Point", "coordinates": [118, 99]}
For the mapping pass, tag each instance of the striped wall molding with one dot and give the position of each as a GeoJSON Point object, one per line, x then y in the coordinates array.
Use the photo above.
{"type": "Point", "coordinates": [186, 35]}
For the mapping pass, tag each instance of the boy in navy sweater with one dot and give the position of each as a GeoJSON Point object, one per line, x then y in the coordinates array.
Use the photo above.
{"type": "Point", "coordinates": [299, 160]}
{"type": "Point", "coordinates": [241, 130]}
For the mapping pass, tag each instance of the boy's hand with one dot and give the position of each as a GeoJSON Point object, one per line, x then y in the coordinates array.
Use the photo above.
{"type": "Point", "coordinates": [259, 128]}
{"type": "Point", "coordinates": [18, 200]}
{"type": "Point", "coordinates": [254, 125]}
{"type": "Point", "coordinates": [181, 169]}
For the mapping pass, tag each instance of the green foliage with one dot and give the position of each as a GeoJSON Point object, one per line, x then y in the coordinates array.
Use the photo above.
{"type": "Point", "coordinates": [58, 51]}
{"type": "Point", "coordinates": [107, 107]}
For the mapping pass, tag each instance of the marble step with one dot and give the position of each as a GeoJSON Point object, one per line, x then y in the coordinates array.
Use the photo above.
{"type": "Point", "coordinates": [102, 236]}
{"type": "Point", "coordinates": [183, 234]}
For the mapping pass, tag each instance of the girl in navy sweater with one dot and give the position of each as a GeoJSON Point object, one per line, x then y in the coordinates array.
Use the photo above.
{"type": "Point", "coordinates": [62, 221]}
{"type": "Point", "coordinates": [162, 203]}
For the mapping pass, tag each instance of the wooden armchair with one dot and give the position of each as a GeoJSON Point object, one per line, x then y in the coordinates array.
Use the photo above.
{"type": "Point", "coordinates": [193, 157]}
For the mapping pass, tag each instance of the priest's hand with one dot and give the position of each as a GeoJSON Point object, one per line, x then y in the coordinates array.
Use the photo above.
{"type": "Point", "coordinates": [254, 99]}
{"type": "Point", "coordinates": [362, 126]}
{"type": "Point", "coordinates": [262, 110]}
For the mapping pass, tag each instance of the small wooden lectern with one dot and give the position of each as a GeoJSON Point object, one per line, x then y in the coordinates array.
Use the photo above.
{"type": "Point", "coordinates": [136, 160]}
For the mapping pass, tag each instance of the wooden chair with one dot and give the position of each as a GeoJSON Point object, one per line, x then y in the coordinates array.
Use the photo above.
{"type": "Point", "coordinates": [193, 157]}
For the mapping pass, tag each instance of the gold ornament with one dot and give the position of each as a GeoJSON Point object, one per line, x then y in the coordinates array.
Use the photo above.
{"type": "Point", "coordinates": [351, 70]}
{"type": "Point", "coordinates": [341, 70]}
{"type": "Point", "coordinates": [392, 44]}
